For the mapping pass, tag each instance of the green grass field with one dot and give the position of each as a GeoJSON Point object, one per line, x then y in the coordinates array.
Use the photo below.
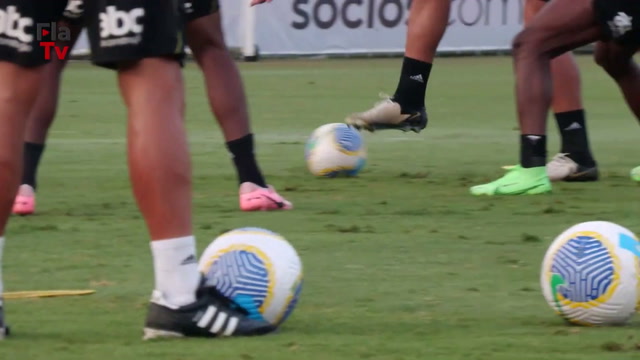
{"type": "Point", "coordinates": [400, 263]}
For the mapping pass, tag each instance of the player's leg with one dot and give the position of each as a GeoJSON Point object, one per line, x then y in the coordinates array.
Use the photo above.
{"type": "Point", "coordinates": [561, 26]}
{"type": "Point", "coordinates": [428, 21]}
{"type": "Point", "coordinates": [147, 59]}
{"type": "Point", "coordinates": [21, 66]}
{"type": "Point", "coordinates": [38, 124]}
{"type": "Point", "coordinates": [18, 92]}
{"type": "Point", "coordinates": [574, 162]}
{"type": "Point", "coordinates": [229, 105]}
{"type": "Point", "coordinates": [619, 19]}
{"type": "Point", "coordinates": [617, 61]}
{"type": "Point", "coordinates": [158, 155]}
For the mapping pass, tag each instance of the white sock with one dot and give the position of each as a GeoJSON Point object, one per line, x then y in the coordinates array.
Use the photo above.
{"type": "Point", "coordinates": [176, 269]}
{"type": "Point", "coordinates": [1, 247]}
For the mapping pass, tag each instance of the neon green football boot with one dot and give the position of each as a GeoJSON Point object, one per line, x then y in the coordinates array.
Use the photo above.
{"type": "Point", "coordinates": [517, 181]}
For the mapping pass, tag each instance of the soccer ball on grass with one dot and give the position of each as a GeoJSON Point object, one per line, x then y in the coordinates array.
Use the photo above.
{"type": "Point", "coordinates": [335, 150]}
{"type": "Point", "coordinates": [590, 274]}
{"type": "Point", "coordinates": [256, 268]}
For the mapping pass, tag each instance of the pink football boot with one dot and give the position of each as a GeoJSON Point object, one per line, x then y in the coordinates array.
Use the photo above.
{"type": "Point", "coordinates": [25, 203]}
{"type": "Point", "coordinates": [256, 198]}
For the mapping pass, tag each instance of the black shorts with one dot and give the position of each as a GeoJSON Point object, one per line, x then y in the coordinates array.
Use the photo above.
{"type": "Point", "coordinates": [74, 12]}
{"type": "Point", "coordinates": [128, 30]}
{"type": "Point", "coordinates": [21, 24]}
{"type": "Point", "coordinates": [620, 20]}
{"type": "Point", "coordinates": [196, 9]}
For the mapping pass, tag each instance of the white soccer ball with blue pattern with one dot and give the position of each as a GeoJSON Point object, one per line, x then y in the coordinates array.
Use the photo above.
{"type": "Point", "coordinates": [256, 268]}
{"type": "Point", "coordinates": [335, 150]}
{"type": "Point", "coordinates": [590, 274]}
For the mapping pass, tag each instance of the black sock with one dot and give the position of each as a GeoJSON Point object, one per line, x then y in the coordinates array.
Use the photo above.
{"type": "Point", "coordinates": [412, 85]}
{"type": "Point", "coordinates": [32, 155]}
{"type": "Point", "coordinates": [533, 150]}
{"type": "Point", "coordinates": [245, 160]}
{"type": "Point", "coordinates": [573, 130]}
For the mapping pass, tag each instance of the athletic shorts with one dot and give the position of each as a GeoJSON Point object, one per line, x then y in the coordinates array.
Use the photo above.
{"type": "Point", "coordinates": [129, 30]}
{"type": "Point", "coordinates": [196, 9]}
{"type": "Point", "coordinates": [21, 24]}
{"type": "Point", "coordinates": [74, 12]}
{"type": "Point", "coordinates": [620, 20]}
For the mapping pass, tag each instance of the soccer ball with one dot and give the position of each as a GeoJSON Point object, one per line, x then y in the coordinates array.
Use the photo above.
{"type": "Point", "coordinates": [590, 274]}
{"type": "Point", "coordinates": [335, 150]}
{"type": "Point", "coordinates": [256, 268]}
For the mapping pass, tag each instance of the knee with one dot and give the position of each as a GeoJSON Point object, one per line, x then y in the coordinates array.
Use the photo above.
{"type": "Point", "coordinates": [613, 62]}
{"type": "Point", "coordinates": [204, 43]}
{"type": "Point", "coordinates": [203, 38]}
{"type": "Point", "coordinates": [518, 42]}
{"type": "Point", "coordinates": [601, 57]}
{"type": "Point", "coordinates": [526, 43]}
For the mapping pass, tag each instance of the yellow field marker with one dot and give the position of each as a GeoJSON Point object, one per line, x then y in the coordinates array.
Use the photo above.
{"type": "Point", "coordinates": [45, 294]}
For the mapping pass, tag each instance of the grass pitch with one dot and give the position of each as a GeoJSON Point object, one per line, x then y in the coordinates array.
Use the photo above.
{"type": "Point", "coordinates": [400, 263]}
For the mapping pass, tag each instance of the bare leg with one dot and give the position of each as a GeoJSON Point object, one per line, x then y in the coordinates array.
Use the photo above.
{"type": "Point", "coordinates": [224, 84]}
{"type": "Point", "coordinates": [160, 171]}
{"type": "Point", "coordinates": [548, 35]}
{"type": "Point", "coordinates": [159, 160]}
{"type": "Point", "coordinates": [44, 111]}
{"type": "Point", "coordinates": [564, 70]}
{"type": "Point", "coordinates": [566, 84]}
{"type": "Point", "coordinates": [619, 64]}
{"type": "Point", "coordinates": [427, 23]}
{"type": "Point", "coordinates": [229, 105]}
{"type": "Point", "coordinates": [40, 120]}
{"type": "Point", "coordinates": [18, 92]}
{"type": "Point", "coordinates": [569, 114]}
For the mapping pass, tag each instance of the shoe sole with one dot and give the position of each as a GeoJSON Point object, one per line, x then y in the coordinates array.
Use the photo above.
{"type": "Point", "coordinates": [538, 190]}
{"type": "Point", "coordinates": [405, 126]}
{"type": "Point", "coordinates": [273, 206]}
{"type": "Point", "coordinates": [533, 191]}
{"type": "Point", "coordinates": [284, 207]}
{"type": "Point", "coordinates": [588, 175]}
{"type": "Point", "coordinates": [151, 334]}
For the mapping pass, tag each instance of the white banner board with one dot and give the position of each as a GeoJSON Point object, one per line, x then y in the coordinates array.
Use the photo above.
{"type": "Point", "coordinates": [291, 27]}
{"type": "Point", "coordinates": [378, 26]}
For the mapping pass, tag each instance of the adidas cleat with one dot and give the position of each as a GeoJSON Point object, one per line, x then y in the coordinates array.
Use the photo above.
{"type": "Point", "coordinates": [4, 328]}
{"type": "Point", "coordinates": [212, 315]}
{"type": "Point", "coordinates": [387, 114]}
{"type": "Point", "coordinates": [563, 168]}
{"type": "Point", "coordinates": [517, 181]}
